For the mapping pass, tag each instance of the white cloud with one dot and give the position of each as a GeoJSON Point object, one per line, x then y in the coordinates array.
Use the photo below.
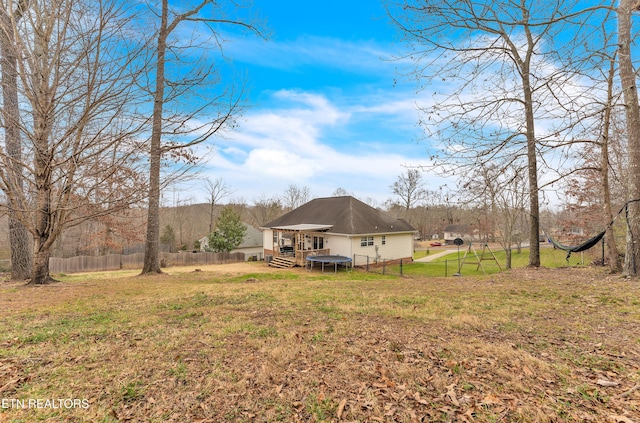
{"type": "Point", "coordinates": [353, 56]}
{"type": "Point", "coordinates": [296, 144]}
{"type": "Point", "coordinates": [282, 164]}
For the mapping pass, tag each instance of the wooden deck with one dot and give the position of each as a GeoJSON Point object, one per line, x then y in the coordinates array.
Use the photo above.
{"type": "Point", "coordinates": [283, 262]}
{"type": "Point", "coordinates": [297, 257]}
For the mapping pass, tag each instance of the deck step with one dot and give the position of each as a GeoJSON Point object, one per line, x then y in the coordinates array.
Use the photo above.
{"type": "Point", "coordinates": [282, 262]}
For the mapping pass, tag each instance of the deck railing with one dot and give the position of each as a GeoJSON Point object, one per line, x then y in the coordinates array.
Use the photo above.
{"type": "Point", "coordinates": [301, 255]}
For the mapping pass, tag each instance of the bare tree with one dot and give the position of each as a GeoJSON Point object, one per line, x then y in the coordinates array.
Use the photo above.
{"type": "Point", "coordinates": [597, 173]}
{"type": "Point", "coordinates": [630, 94]}
{"type": "Point", "coordinates": [217, 190]}
{"type": "Point", "coordinates": [20, 241]}
{"type": "Point", "coordinates": [490, 65]}
{"type": "Point", "coordinates": [74, 80]}
{"type": "Point", "coordinates": [504, 192]}
{"type": "Point", "coordinates": [265, 210]}
{"type": "Point", "coordinates": [340, 192]}
{"type": "Point", "coordinates": [370, 201]}
{"type": "Point", "coordinates": [594, 173]}
{"type": "Point", "coordinates": [182, 125]}
{"type": "Point", "coordinates": [410, 188]}
{"type": "Point", "coordinates": [295, 196]}
{"type": "Point", "coordinates": [606, 163]}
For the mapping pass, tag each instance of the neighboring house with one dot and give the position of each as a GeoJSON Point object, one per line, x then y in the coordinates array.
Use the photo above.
{"type": "Point", "coordinates": [341, 226]}
{"type": "Point", "coordinates": [465, 232]}
{"type": "Point", "coordinates": [576, 231]}
{"type": "Point", "coordinates": [251, 246]}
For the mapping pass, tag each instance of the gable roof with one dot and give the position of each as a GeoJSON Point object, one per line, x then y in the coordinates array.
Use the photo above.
{"type": "Point", "coordinates": [252, 238]}
{"type": "Point", "coordinates": [342, 215]}
{"type": "Point", "coordinates": [457, 228]}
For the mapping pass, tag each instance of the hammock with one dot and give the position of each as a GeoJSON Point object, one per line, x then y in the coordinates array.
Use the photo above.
{"type": "Point", "coordinates": [582, 247]}
{"type": "Point", "coordinates": [593, 241]}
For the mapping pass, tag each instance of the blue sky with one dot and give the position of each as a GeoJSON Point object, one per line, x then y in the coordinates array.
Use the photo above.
{"type": "Point", "coordinates": [327, 108]}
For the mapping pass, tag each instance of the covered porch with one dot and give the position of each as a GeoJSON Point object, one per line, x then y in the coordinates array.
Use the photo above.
{"type": "Point", "coordinates": [296, 242]}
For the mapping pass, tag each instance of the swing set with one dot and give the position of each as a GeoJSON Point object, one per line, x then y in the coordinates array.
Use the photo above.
{"type": "Point", "coordinates": [485, 254]}
{"type": "Point", "coordinates": [488, 254]}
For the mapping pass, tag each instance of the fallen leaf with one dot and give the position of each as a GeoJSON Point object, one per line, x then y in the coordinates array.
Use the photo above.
{"type": "Point", "coordinates": [491, 399]}
{"type": "Point", "coordinates": [604, 382]}
{"type": "Point", "coordinates": [451, 364]}
{"type": "Point", "coordinates": [419, 400]}
{"type": "Point", "coordinates": [527, 371]}
{"type": "Point", "coordinates": [341, 406]}
{"type": "Point", "coordinates": [466, 399]}
{"type": "Point", "coordinates": [451, 393]}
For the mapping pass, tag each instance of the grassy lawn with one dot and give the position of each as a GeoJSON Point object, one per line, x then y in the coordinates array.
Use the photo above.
{"type": "Point", "coordinates": [421, 253]}
{"type": "Point", "coordinates": [252, 343]}
{"type": "Point", "coordinates": [448, 265]}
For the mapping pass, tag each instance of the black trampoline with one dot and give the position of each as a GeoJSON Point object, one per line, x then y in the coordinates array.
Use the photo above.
{"type": "Point", "coordinates": [329, 259]}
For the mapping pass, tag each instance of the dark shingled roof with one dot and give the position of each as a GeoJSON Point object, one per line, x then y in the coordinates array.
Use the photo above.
{"type": "Point", "coordinates": [457, 228]}
{"type": "Point", "coordinates": [346, 215]}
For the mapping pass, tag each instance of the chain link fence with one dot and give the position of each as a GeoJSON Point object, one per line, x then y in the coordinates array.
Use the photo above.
{"type": "Point", "coordinates": [475, 263]}
{"type": "Point", "coordinates": [381, 265]}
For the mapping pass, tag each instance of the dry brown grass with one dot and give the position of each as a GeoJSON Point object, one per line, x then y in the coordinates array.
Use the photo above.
{"type": "Point", "coordinates": [248, 343]}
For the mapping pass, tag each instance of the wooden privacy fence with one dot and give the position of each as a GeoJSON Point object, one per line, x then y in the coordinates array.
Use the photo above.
{"type": "Point", "coordinates": [134, 261]}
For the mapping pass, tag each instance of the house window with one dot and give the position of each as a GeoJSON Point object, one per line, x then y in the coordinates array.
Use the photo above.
{"type": "Point", "coordinates": [366, 241]}
{"type": "Point", "coordinates": [384, 240]}
{"type": "Point", "coordinates": [275, 237]}
{"type": "Point", "coordinates": [318, 242]}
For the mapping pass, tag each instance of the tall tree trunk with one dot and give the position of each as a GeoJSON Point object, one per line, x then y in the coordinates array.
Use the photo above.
{"type": "Point", "coordinates": [211, 209]}
{"type": "Point", "coordinates": [507, 258]}
{"type": "Point", "coordinates": [40, 273]}
{"type": "Point", "coordinates": [632, 108]}
{"type": "Point", "coordinates": [612, 249]}
{"type": "Point", "coordinates": [532, 166]}
{"type": "Point", "coordinates": [42, 159]}
{"type": "Point", "coordinates": [20, 240]}
{"type": "Point", "coordinates": [43, 216]}
{"type": "Point", "coordinates": [152, 251]}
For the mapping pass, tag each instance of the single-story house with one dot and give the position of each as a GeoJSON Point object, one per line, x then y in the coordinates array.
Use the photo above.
{"type": "Point", "coordinates": [343, 226]}
{"type": "Point", "coordinates": [251, 246]}
{"type": "Point", "coordinates": [463, 231]}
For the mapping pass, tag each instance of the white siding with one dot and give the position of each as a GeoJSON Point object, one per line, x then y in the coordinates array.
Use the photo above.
{"type": "Point", "coordinates": [267, 239]}
{"type": "Point", "coordinates": [396, 246]}
{"type": "Point", "coordinates": [338, 245]}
